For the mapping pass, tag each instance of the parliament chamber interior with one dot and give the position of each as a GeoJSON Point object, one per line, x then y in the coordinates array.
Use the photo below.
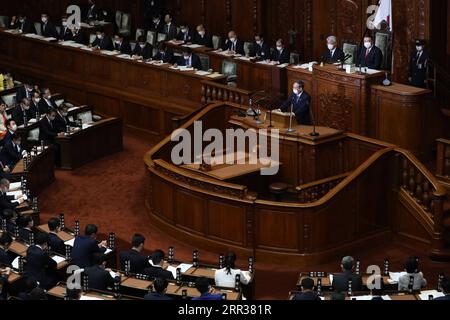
{"type": "Point", "coordinates": [225, 150]}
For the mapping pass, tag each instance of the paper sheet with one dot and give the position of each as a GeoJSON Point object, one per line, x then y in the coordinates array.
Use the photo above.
{"type": "Point", "coordinates": [58, 259]}
{"type": "Point", "coordinates": [15, 193]}
{"type": "Point", "coordinates": [395, 277]}
{"type": "Point", "coordinates": [14, 186]}
{"type": "Point", "coordinates": [15, 263]}
{"type": "Point", "coordinates": [184, 267]}
{"type": "Point", "coordinates": [87, 298]}
{"type": "Point", "coordinates": [369, 298]}
{"type": "Point", "coordinates": [202, 73]}
{"type": "Point", "coordinates": [113, 274]}
{"type": "Point", "coordinates": [193, 46]}
{"type": "Point", "coordinates": [426, 294]}
{"type": "Point", "coordinates": [173, 270]}
{"type": "Point", "coordinates": [50, 39]}
{"type": "Point", "coordinates": [70, 242]}
{"type": "Point", "coordinates": [108, 53]}
{"type": "Point", "coordinates": [108, 251]}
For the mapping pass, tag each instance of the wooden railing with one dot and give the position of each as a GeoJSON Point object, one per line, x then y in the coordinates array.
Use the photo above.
{"type": "Point", "coordinates": [212, 91]}
{"type": "Point", "coordinates": [312, 192]}
{"type": "Point", "coordinates": [442, 90]}
{"type": "Point", "coordinates": [443, 158]}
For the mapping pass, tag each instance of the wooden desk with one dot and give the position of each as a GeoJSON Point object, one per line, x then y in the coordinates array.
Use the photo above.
{"type": "Point", "coordinates": [19, 248]}
{"type": "Point", "coordinates": [63, 235]}
{"type": "Point", "coordinates": [40, 173]}
{"type": "Point", "coordinates": [59, 292]}
{"type": "Point", "coordinates": [178, 46]}
{"type": "Point", "coordinates": [144, 95]}
{"type": "Point", "coordinates": [177, 291]}
{"type": "Point", "coordinates": [101, 139]}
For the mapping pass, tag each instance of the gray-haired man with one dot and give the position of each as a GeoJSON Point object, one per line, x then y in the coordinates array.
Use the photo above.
{"type": "Point", "coordinates": [333, 53]}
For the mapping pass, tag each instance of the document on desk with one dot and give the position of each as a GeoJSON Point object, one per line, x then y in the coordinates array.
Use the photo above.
{"type": "Point", "coordinates": [108, 53]}
{"type": "Point", "coordinates": [244, 58]}
{"type": "Point", "coordinates": [86, 126]}
{"type": "Point", "coordinates": [32, 35]}
{"type": "Point", "coordinates": [86, 48]}
{"type": "Point", "coordinates": [125, 56]}
{"type": "Point", "coordinates": [15, 186]}
{"type": "Point", "coordinates": [282, 66]}
{"type": "Point", "coordinates": [394, 277]}
{"type": "Point", "coordinates": [49, 39]}
{"type": "Point", "coordinates": [108, 251]}
{"type": "Point", "coordinates": [88, 298]}
{"type": "Point", "coordinates": [215, 75]}
{"type": "Point", "coordinates": [113, 274]}
{"type": "Point", "coordinates": [193, 46]}
{"type": "Point", "coordinates": [71, 242]}
{"type": "Point", "coordinates": [32, 121]}
{"type": "Point", "coordinates": [73, 108]}
{"type": "Point", "coordinates": [16, 194]}
{"type": "Point", "coordinates": [369, 298]}
{"type": "Point", "coordinates": [183, 68]}
{"type": "Point", "coordinates": [58, 259]}
{"type": "Point", "coordinates": [202, 73]}
{"type": "Point", "coordinates": [15, 263]}
{"type": "Point", "coordinates": [173, 270]}
{"type": "Point", "coordinates": [304, 66]}
{"type": "Point", "coordinates": [185, 267]}
{"type": "Point", "coordinates": [425, 295]}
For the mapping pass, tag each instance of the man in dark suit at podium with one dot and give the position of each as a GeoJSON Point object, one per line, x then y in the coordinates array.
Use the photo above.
{"type": "Point", "coordinates": [301, 101]}
{"type": "Point", "coordinates": [333, 53]}
{"type": "Point", "coordinates": [370, 55]}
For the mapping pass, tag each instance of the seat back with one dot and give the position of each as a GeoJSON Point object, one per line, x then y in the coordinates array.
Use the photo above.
{"type": "Point", "coordinates": [352, 49]}
{"type": "Point", "coordinates": [161, 37]}
{"type": "Point", "coordinates": [139, 32]}
{"type": "Point", "coordinates": [132, 45]}
{"type": "Point", "coordinates": [4, 21]}
{"type": "Point", "coordinates": [151, 37]}
{"type": "Point", "coordinates": [229, 68]}
{"type": "Point", "coordinates": [125, 28]}
{"type": "Point", "coordinates": [59, 102]}
{"type": "Point", "coordinates": [295, 58]}
{"type": "Point", "coordinates": [92, 38]}
{"type": "Point", "coordinates": [38, 27]}
{"type": "Point", "coordinates": [216, 42]}
{"type": "Point", "coordinates": [58, 29]}
{"type": "Point", "coordinates": [247, 48]}
{"type": "Point", "coordinates": [9, 99]}
{"type": "Point", "coordinates": [33, 135]}
{"type": "Point", "coordinates": [85, 117]}
{"type": "Point", "coordinates": [118, 18]}
{"type": "Point", "coordinates": [205, 61]}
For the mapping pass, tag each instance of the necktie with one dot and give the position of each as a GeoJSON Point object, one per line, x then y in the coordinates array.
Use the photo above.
{"type": "Point", "coordinates": [233, 47]}
{"type": "Point", "coordinates": [367, 53]}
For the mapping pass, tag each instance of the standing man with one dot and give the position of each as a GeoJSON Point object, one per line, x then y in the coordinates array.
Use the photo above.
{"type": "Point", "coordinates": [418, 65]}
{"type": "Point", "coordinates": [153, 8]}
{"type": "Point", "coordinates": [301, 102]}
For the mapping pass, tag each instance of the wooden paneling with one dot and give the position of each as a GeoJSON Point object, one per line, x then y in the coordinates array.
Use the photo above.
{"type": "Point", "coordinates": [190, 212]}
{"type": "Point", "coordinates": [162, 199]}
{"type": "Point", "coordinates": [227, 222]}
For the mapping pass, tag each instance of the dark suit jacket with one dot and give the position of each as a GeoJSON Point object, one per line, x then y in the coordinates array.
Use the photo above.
{"type": "Point", "coordinates": [22, 93]}
{"type": "Point", "coordinates": [60, 124]}
{"type": "Point", "coordinates": [283, 57]}
{"type": "Point", "coordinates": [301, 107]}
{"type": "Point", "coordinates": [145, 53]}
{"type": "Point", "coordinates": [47, 131]}
{"type": "Point", "coordinates": [195, 62]}
{"type": "Point", "coordinates": [418, 69]}
{"type": "Point", "coordinates": [340, 282]}
{"type": "Point", "coordinates": [24, 234]}
{"type": "Point", "coordinates": [172, 32]}
{"type": "Point", "coordinates": [188, 37]}
{"type": "Point", "coordinates": [49, 30]}
{"type": "Point", "coordinates": [92, 13]}
{"type": "Point", "coordinates": [26, 27]}
{"type": "Point", "coordinates": [373, 60]}
{"type": "Point", "coordinates": [338, 55]}
{"type": "Point", "coordinates": [5, 202]}
{"type": "Point", "coordinates": [206, 40]}
{"type": "Point", "coordinates": [66, 34]}
{"type": "Point", "coordinates": [159, 27]}
{"type": "Point", "coordinates": [239, 47]}
{"type": "Point", "coordinates": [155, 272]}
{"type": "Point", "coordinates": [56, 244]}
{"type": "Point", "coordinates": [34, 108]}
{"type": "Point", "coordinates": [157, 297]}
{"type": "Point", "coordinates": [79, 38]}
{"type": "Point", "coordinates": [307, 296]}
{"type": "Point", "coordinates": [138, 261]}
{"type": "Point", "coordinates": [262, 51]}
{"type": "Point", "coordinates": [104, 44]}
{"type": "Point", "coordinates": [83, 251]}
{"type": "Point", "coordinates": [5, 258]}
{"type": "Point", "coordinates": [18, 115]}
{"type": "Point", "coordinates": [40, 267]}
{"type": "Point", "coordinates": [44, 106]}
{"type": "Point", "coordinates": [124, 47]}
{"type": "Point", "coordinates": [446, 298]}
{"type": "Point", "coordinates": [7, 137]}
{"type": "Point", "coordinates": [10, 154]}
{"type": "Point", "coordinates": [167, 58]}
{"type": "Point", "coordinates": [208, 297]}
{"type": "Point", "coordinates": [99, 278]}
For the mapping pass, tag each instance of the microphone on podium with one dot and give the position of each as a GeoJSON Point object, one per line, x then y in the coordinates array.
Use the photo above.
{"type": "Point", "coordinates": [313, 120]}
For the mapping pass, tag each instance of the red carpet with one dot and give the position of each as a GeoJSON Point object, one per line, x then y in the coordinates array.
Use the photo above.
{"type": "Point", "coordinates": [110, 194]}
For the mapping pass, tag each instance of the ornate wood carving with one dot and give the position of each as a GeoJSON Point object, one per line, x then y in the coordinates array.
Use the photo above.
{"type": "Point", "coordinates": [335, 111]}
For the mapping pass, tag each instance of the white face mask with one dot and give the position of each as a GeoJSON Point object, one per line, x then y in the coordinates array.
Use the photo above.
{"type": "Point", "coordinates": [330, 46]}
{"type": "Point", "coordinates": [279, 48]}
{"type": "Point", "coordinates": [142, 46]}
{"type": "Point", "coordinates": [14, 128]}
{"type": "Point", "coordinates": [37, 100]}
{"type": "Point", "coordinates": [368, 45]}
{"type": "Point", "coordinates": [258, 43]}
{"type": "Point", "coordinates": [201, 33]}
{"type": "Point", "coordinates": [64, 23]}
{"type": "Point", "coordinates": [296, 91]}
{"type": "Point", "coordinates": [419, 48]}
{"type": "Point", "coordinates": [232, 39]}
{"type": "Point", "coordinates": [117, 42]}
{"type": "Point", "coordinates": [64, 114]}
{"type": "Point", "coordinates": [184, 30]}
{"type": "Point", "coordinates": [21, 20]}
{"type": "Point", "coordinates": [26, 107]}
{"type": "Point", "coordinates": [99, 36]}
{"type": "Point", "coordinates": [44, 20]}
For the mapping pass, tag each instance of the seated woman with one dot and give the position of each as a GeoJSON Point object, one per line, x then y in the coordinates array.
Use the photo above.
{"type": "Point", "coordinates": [226, 277]}
{"type": "Point", "coordinates": [3, 119]}
{"type": "Point", "coordinates": [412, 271]}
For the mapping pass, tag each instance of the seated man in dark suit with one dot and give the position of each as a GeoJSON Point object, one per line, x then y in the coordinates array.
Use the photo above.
{"type": "Point", "coordinates": [62, 120]}
{"type": "Point", "coordinates": [160, 287]}
{"type": "Point", "coordinates": [39, 265]}
{"type": "Point", "coordinates": [308, 293]}
{"type": "Point", "coordinates": [206, 291]}
{"type": "Point", "coordinates": [99, 277]}
{"type": "Point", "coordinates": [78, 36]}
{"type": "Point", "coordinates": [164, 53]}
{"type": "Point", "coordinates": [186, 34]}
{"type": "Point", "coordinates": [66, 33]}
{"type": "Point", "coordinates": [333, 53]}
{"type": "Point", "coordinates": [102, 42]}
{"type": "Point", "coordinates": [5, 242]}
{"type": "Point", "coordinates": [138, 261]}
{"type": "Point", "coordinates": [143, 49]}
{"type": "Point", "coordinates": [281, 54]}
{"type": "Point", "coordinates": [202, 37]}
{"type": "Point", "coordinates": [35, 104]}
{"type": "Point", "coordinates": [92, 12]}
{"type": "Point", "coordinates": [445, 284]}
{"type": "Point", "coordinates": [233, 44]}
{"type": "Point", "coordinates": [4, 275]}
{"type": "Point", "coordinates": [190, 60]}
{"type": "Point", "coordinates": [47, 130]}
{"type": "Point", "coordinates": [260, 48]}
{"type": "Point", "coordinates": [47, 102]}
{"type": "Point", "coordinates": [11, 127]}
{"type": "Point", "coordinates": [56, 244]}
{"type": "Point", "coordinates": [25, 224]}
{"type": "Point", "coordinates": [23, 112]}
{"type": "Point", "coordinates": [341, 281]}
{"type": "Point", "coordinates": [301, 102]}
{"type": "Point", "coordinates": [12, 152]}
{"type": "Point", "coordinates": [47, 28]}
{"type": "Point", "coordinates": [86, 246]}
{"type": "Point", "coordinates": [370, 56]}
{"type": "Point", "coordinates": [156, 270]}
{"type": "Point", "coordinates": [121, 45]}
{"type": "Point", "coordinates": [10, 216]}
{"type": "Point", "coordinates": [22, 23]}
{"type": "Point", "coordinates": [8, 202]}
{"type": "Point", "coordinates": [25, 92]}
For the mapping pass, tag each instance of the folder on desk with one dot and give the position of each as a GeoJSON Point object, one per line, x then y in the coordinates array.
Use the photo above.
{"type": "Point", "coordinates": [425, 295]}
{"type": "Point", "coordinates": [58, 259]}
{"type": "Point", "coordinates": [70, 242]}
{"type": "Point", "coordinates": [14, 186]}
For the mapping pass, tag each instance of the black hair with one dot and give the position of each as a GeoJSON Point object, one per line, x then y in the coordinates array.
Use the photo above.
{"type": "Point", "coordinates": [160, 285]}
{"type": "Point", "coordinates": [187, 50]}
{"type": "Point", "coordinates": [157, 257]}
{"type": "Point", "coordinates": [162, 45]}
{"type": "Point", "coordinates": [41, 238]}
{"type": "Point", "coordinates": [51, 111]}
{"type": "Point", "coordinates": [73, 294]}
{"type": "Point", "coordinates": [23, 221]}
{"type": "Point", "coordinates": [8, 122]}
{"type": "Point", "coordinates": [141, 39]}
{"type": "Point", "coordinates": [202, 285]}
{"type": "Point", "coordinates": [411, 265]}
{"type": "Point", "coordinates": [5, 239]}
{"type": "Point", "coordinates": [300, 83]}
{"type": "Point", "coordinates": [8, 214]}
{"type": "Point", "coordinates": [308, 284]}
{"type": "Point", "coordinates": [99, 258]}
{"type": "Point", "coordinates": [446, 285]}
{"type": "Point", "coordinates": [38, 294]}
{"type": "Point", "coordinates": [230, 261]}
{"type": "Point", "coordinates": [90, 230]}
{"type": "Point", "coordinates": [137, 240]}
{"type": "Point", "coordinates": [53, 224]}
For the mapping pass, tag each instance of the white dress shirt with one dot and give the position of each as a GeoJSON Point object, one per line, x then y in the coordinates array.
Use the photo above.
{"type": "Point", "coordinates": [225, 280]}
